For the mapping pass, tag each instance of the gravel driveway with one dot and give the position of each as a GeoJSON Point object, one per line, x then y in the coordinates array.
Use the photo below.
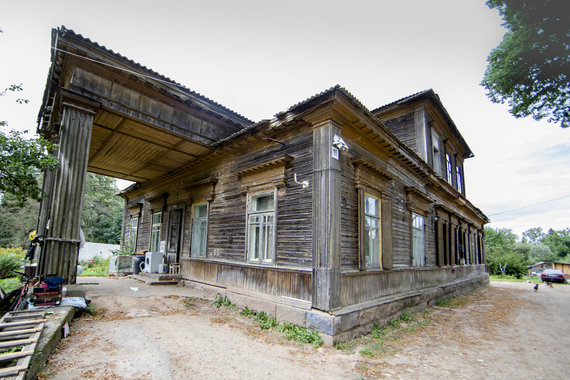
{"type": "Point", "coordinates": [158, 332]}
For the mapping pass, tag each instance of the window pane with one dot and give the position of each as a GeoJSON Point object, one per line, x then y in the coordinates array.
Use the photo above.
{"type": "Point", "coordinates": [262, 203]}
{"type": "Point", "coordinates": [418, 240]}
{"type": "Point", "coordinates": [268, 238]}
{"type": "Point", "coordinates": [372, 242]}
{"type": "Point", "coordinates": [254, 236]}
{"type": "Point", "coordinates": [371, 206]}
{"type": "Point", "coordinates": [155, 232]}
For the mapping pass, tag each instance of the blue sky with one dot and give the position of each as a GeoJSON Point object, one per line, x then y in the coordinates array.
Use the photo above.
{"type": "Point", "coordinates": [260, 57]}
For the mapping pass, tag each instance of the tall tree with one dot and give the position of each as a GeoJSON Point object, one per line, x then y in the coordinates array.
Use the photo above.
{"type": "Point", "coordinates": [102, 214]}
{"type": "Point", "coordinates": [16, 222]}
{"type": "Point", "coordinates": [22, 159]}
{"type": "Point", "coordinates": [530, 67]}
{"type": "Point", "coordinates": [503, 250]}
{"type": "Point", "coordinates": [558, 242]}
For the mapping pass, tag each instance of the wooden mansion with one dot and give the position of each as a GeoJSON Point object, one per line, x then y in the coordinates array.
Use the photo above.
{"type": "Point", "coordinates": [329, 215]}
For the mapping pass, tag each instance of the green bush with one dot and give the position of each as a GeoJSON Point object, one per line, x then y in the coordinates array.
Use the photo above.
{"type": "Point", "coordinates": [11, 261]}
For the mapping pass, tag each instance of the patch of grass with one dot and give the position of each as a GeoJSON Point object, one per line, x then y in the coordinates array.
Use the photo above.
{"type": "Point", "coordinates": [11, 283]}
{"type": "Point", "coordinates": [346, 347]}
{"type": "Point", "coordinates": [247, 312]}
{"type": "Point", "coordinates": [223, 301]}
{"type": "Point", "coordinates": [291, 331]}
{"type": "Point", "coordinates": [265, 322]}
{"type": "Point", "coordinates": [300, 334]}
{"type": "Point", "coordinates": [188, 301]}
{"type": "Point", "coordinates": [367, 352]}
{"type": "Point", "coordinates": [96, 266]}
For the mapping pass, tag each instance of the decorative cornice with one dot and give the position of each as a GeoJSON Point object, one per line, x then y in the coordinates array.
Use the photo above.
{"type": "Point", "coordinates": [283, 160]}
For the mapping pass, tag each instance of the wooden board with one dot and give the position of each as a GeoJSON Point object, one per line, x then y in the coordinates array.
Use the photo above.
{"type": "Point", "coordinates": [12, 335]}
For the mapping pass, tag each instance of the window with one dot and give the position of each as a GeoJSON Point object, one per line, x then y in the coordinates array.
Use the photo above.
{"type": "Point", "coordinates": [436, 152]}
{"type": "Point", "coordinates": [133, 232]}
{"type": "Point", "coordinates": [372, 237]}
{"type": "Point", "coordinates": [459, 178]}
{"type": "Point", "coordinates": [199, 230]}
{"type": "Point", "coordinates": [155, 231]}
{"type": "Point", "coordinates": [449, 168]}
{"type": "Point", "coordinates": [418, 240]}
{"type": "Point", "coordinates": [261, 228]}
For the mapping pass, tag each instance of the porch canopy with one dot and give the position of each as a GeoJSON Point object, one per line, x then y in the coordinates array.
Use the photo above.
{"type": "Point", "coordinates": [114, 117]}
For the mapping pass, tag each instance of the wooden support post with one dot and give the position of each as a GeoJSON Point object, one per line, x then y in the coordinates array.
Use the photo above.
{"type": "Point", "coordinates": [440, 245]}
{"type": "Point", "coordinates": [387, 254]}
{"type": "Point", "coordinates": [64, 191]}
{"type": "Point", "coordinates": [326, 218]}
{"type": "Point", "coordinates": [453, 241]}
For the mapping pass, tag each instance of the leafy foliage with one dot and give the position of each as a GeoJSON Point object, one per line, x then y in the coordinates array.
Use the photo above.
{"type": "Point", "coordinates": [300, 334]}
{"type": "Point", "coordinates": [16, 222]}
{"type": "Point", "coordinates": [223, 301]}
{"type": "Point", "coordinates": [102, 214]}
{"type": "Point", "coordinates": [97, 266]}
{"type": "Point", "coordinates": [536, 246]}
{"type": "Point", "coordinates": [530, 67]}
{"type": "Point", "coordinates": [500, 246]}
{"type": "Point", "coordinates": [21, 160]}
{"type": "Point", "coordinates": [11, 261]}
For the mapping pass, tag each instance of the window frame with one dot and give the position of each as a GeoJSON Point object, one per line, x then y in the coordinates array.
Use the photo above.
{"type": "Point", "coordinates": [155, 227]}
{"type": "Point", "coordinates": [436, 152]}
{"type": "Point", "coordinates": [366, 262]}
{"type": "Point", "coordinates": [459, 177]}
{"type": "Point", "coordinates": [449, 169]}
{"type": "Point", "coordinates": [133, 231]}
{"type": "Point", "coordinates": [415, 246]}
{"type": "Point", "coordinates": [195, 219]}
{"type": "Point", "coordinates": [268, 254]}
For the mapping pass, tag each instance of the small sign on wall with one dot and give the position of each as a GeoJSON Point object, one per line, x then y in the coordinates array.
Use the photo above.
{"type": "Point", "coordinates": [335, 152]}
{"type": "Point", "coordinates": [163, 246]}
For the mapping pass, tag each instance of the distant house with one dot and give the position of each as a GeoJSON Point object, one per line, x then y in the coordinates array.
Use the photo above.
{"type": "Point", "coordinates": [328, 215]}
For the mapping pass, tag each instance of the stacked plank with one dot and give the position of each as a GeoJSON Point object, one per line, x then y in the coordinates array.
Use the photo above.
{"type": "Point", "coordinates": [19, 334]}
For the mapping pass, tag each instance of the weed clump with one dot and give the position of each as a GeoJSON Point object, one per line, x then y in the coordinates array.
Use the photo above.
{"type": "Point", "coordinates": [223, 301]}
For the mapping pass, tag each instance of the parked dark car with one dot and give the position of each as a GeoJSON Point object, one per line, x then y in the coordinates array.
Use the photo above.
{"type": "Point", "coordinates": [552, 275]}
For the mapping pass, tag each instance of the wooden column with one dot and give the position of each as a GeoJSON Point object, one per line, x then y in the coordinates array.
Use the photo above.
{"type": "Point", "coordinates": [440, 244]}
{"type": "Point", "coordinates": [387, 254]}
{"type": "Point", "coordinates": [326, 218]}
{"type": "Point", "coordinates": [453, 241]}
{"type": "Point", "coordinates": [61, 246]}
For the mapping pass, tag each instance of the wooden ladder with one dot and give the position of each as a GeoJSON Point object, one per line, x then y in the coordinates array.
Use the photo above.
{"type": "Point", "coordinates": [19, 331]}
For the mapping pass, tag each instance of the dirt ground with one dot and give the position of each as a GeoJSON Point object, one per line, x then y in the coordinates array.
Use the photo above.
{"type": "Point", "coordinates": [506, 331]}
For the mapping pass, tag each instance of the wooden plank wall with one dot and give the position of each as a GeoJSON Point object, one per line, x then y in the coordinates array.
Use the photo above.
{"type": "Point", "coordinates": [403, 127]}
{"type": "Point", "coordinates": [360, 287]}
{"type": "Point", "coordinates": [269, 280]}
{"type": "Point", "coordinates": [227, 219]}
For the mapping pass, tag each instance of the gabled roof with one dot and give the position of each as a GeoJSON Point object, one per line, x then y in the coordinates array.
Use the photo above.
{"type": "Point", "coordinates": [431, 95]}
{"type": "Point", "coordinates": [131, 67]}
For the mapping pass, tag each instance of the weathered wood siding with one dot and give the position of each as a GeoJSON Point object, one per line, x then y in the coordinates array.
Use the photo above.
{"type": "Point", "coordinates": [269, 280]}
{"type": "Point", "coordinates": [361, 287]}
{"type": "Point", "coordinates": [227, 222]}
{"type": "Point", "coordinates": [404, 128]}
{"type": "Point", "coordinates": [349, 217]}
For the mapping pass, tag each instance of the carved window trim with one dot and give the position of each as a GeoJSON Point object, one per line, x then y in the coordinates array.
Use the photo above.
{"type": "Point", "coordinates": [271, 173]}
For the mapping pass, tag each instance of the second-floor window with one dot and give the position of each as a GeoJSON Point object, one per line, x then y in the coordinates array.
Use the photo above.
{"type": "Point", "coordinates": [449, 165]}
{"type": "Point", "coordinates": [436, 152]}
{"type": "Point", "coordinates": [459, 178]}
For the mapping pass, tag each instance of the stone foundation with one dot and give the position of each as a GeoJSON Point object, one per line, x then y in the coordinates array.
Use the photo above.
{"type": "Point", "coordinates": [348, 322]}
